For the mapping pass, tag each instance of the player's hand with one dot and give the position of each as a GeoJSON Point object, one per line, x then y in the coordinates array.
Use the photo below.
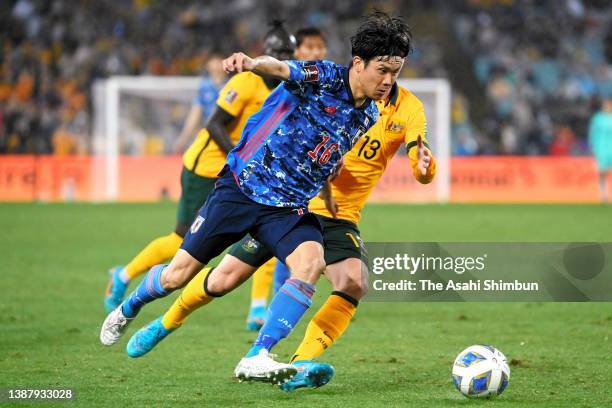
{"type": "Point", "coordinates": [238, 62]}
{"type": "Point", "coordinates": [423, 155]}
{"type": "Point", "coordinates": [336, 171]}
{"type": "Point", "coordinates": [331, 205]}
{"type": "Point", "coordinates": [328, 198]}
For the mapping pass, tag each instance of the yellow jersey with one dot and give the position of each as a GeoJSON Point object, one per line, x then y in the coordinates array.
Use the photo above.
{"type": "Point", "coordinates": [402, 120]}
{"type": "Point", "coordinates": [241, 97]}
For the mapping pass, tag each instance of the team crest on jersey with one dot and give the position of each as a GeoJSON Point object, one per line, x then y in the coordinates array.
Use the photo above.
{"type": "Point", "coordinates": [251, 246]}
{"type": "Point", "coordinates": [396, 127]}
{"type": "Point", "coordinates": [360, 132]}
{"type": "Point", "coordinates": [197, 224]}
{"type": "Point", "coordinates": [230, 96]}
{"type": "Point", "coordinates": [330, 110]}
{"type": "Point", "coordinates": [311, 73]}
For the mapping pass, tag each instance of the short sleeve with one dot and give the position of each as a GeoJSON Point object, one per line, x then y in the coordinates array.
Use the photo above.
{"type": "Point", "coordinates": [236, 93]}
{"type": "Point", "coordinates": [304, 75]}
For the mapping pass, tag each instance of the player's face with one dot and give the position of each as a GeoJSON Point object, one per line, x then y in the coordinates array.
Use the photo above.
{"type": "Point", "coordinates": [311, 49]}
{"type": "Point", "coordinates": [215, 66]}
{"type": "Point", "coordinates": [378, 76]}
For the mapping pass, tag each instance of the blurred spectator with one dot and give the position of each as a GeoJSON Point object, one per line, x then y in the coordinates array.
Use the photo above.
{"type": "Point", "coordinates": [538, 64]}
{"type": "Point", "coordinates": [564, 142]}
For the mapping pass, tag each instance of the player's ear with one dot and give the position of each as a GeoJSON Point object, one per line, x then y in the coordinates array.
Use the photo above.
{"type": "Point", "coordinates": [358, 63]}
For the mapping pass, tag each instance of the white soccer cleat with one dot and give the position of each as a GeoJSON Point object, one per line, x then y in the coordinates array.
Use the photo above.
{"type": "Point", "coordinates": [114, 327]}
{"type": "Point", "coordinates": [263, 368]}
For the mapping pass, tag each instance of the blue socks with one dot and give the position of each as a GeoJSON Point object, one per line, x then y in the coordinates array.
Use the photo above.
{"type": "Point", "coordinates": [281, 274]}
{"type": "Point", "coordinates": [287, 308]}
{"type": "Point", "coordinates": [148, 290]}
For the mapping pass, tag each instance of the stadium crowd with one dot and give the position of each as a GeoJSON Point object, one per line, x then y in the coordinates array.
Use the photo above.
{"type": "Point", "coordinates": [541, 66]}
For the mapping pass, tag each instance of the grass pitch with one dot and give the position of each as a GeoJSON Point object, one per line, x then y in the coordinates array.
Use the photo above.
{"type": "Point", "coordinates": [53, 273]}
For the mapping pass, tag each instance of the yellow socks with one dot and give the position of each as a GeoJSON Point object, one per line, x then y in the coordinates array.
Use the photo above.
{"type": "Point", "coordinates": [262, 280]}
{"type": "Point", "coordinates": [191, 298]}
{"type": "Point", "coordinates": [158, 251]}
{"type": "Point", "coordinates": [330, 322]}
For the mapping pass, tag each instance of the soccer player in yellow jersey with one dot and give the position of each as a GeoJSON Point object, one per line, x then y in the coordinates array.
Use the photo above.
{"type": "Point", "coordinates": [310, 46]}
{"type": "Point", "coordinates": [241, 96]}
{"type": "Point", "coordinates": [402, 121]}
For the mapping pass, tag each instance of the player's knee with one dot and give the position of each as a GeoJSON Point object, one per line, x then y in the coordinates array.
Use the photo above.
{"type": "Point", "coordinates": [309, 269]}
{"type": "Point", "coordinates": [217, 287]}
{"type": "Point", "coordinates": [355, 286]}
{"type": "Point", "coordinates": [175, 278]}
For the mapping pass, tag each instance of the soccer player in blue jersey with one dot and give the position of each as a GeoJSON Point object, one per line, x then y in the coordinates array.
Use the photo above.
{"type": "Point", "coordinates": [287, 152]}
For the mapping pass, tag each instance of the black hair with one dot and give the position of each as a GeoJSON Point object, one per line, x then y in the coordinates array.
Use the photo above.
{"type": "Point", "coordinates": [302, 33]}
{"type": "Point", "coordinates": [278, 40]}
{"type": "Point", "coordinates": [381, 35]}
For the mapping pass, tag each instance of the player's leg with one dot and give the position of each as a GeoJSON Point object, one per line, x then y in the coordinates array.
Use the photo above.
{"type": "Point", "coordinates": [281, 274]}
{"type": "Point", "coordinates": [156, 252]}
{"type": "Point", "coordinates": [301, 249]}
{"type": "Point", "coordinates": [348, 275]}
{"type": "Point", "coordinates": [159, 282]}
{"type": "Point", "coordinates": [200, 291]}
{"type": "Point", "coordinates": [194, 190]}
{"type": "Point", "coordinates": [349, 285]}
{"type": "Point", "coordinates": [260, 289]}
{"type": "Point", "coordinates": [242, 260]}
{"type": "Point", "coordinates": [222, 221]}
{"type": "Point", "coordinates": [294, 297]}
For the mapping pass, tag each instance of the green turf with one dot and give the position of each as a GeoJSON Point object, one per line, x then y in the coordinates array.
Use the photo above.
{"type": "Point", "coordinates": [53, 273]}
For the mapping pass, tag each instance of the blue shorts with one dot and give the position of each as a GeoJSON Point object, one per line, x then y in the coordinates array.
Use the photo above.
{"type": "Point", "coordinates": [228, 215]}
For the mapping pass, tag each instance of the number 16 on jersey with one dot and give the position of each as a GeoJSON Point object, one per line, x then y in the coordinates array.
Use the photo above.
{"type": "Point", "coordinates": [327, 153]}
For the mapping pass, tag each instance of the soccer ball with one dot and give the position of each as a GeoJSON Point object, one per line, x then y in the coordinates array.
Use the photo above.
{"type": "Point", "coordinates": [481, 371]}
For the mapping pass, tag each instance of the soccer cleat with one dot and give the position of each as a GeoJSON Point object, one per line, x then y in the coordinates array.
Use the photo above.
{"type": "Point", "coordinates": [256, 318]}
{"type": "Point", "coordinates": [115, 291]}
{"type": "Point", "coordinates": [145, 339]}
{"type": "Point", "coordinates": [113, 327]}
{"type": "Point", "coordinates": [263, 368]}
{"type": "Point", "coordinates": [310, 374]}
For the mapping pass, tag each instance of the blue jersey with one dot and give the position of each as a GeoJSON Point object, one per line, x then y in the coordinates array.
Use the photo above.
{"type": "Point", "coordinates": [291, 145]}
{"type": "Point", "coordinates": [207, 96]}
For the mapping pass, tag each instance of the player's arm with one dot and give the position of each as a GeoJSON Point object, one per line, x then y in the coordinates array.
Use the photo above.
{"type": "Point", "coordinates": [421, 159]}
{"type": "Point", "coordinates": [424, 168]}
{"type": "Point", "coordinates": [263, 65]}
{"type": "Point", "coordinates": [189, 127]}
{"type": "Point", "coordinates": [328, 198]}
{"type": "Point", "coordinates": [217, 128]}
{"type": "Point", "coordinates": [326, 192]}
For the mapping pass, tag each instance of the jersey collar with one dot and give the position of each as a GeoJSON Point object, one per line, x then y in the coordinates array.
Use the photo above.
{"type": "Point", "coordinates": [347, 85]}
{"type": "Point", "coordinates": [394, 94]}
